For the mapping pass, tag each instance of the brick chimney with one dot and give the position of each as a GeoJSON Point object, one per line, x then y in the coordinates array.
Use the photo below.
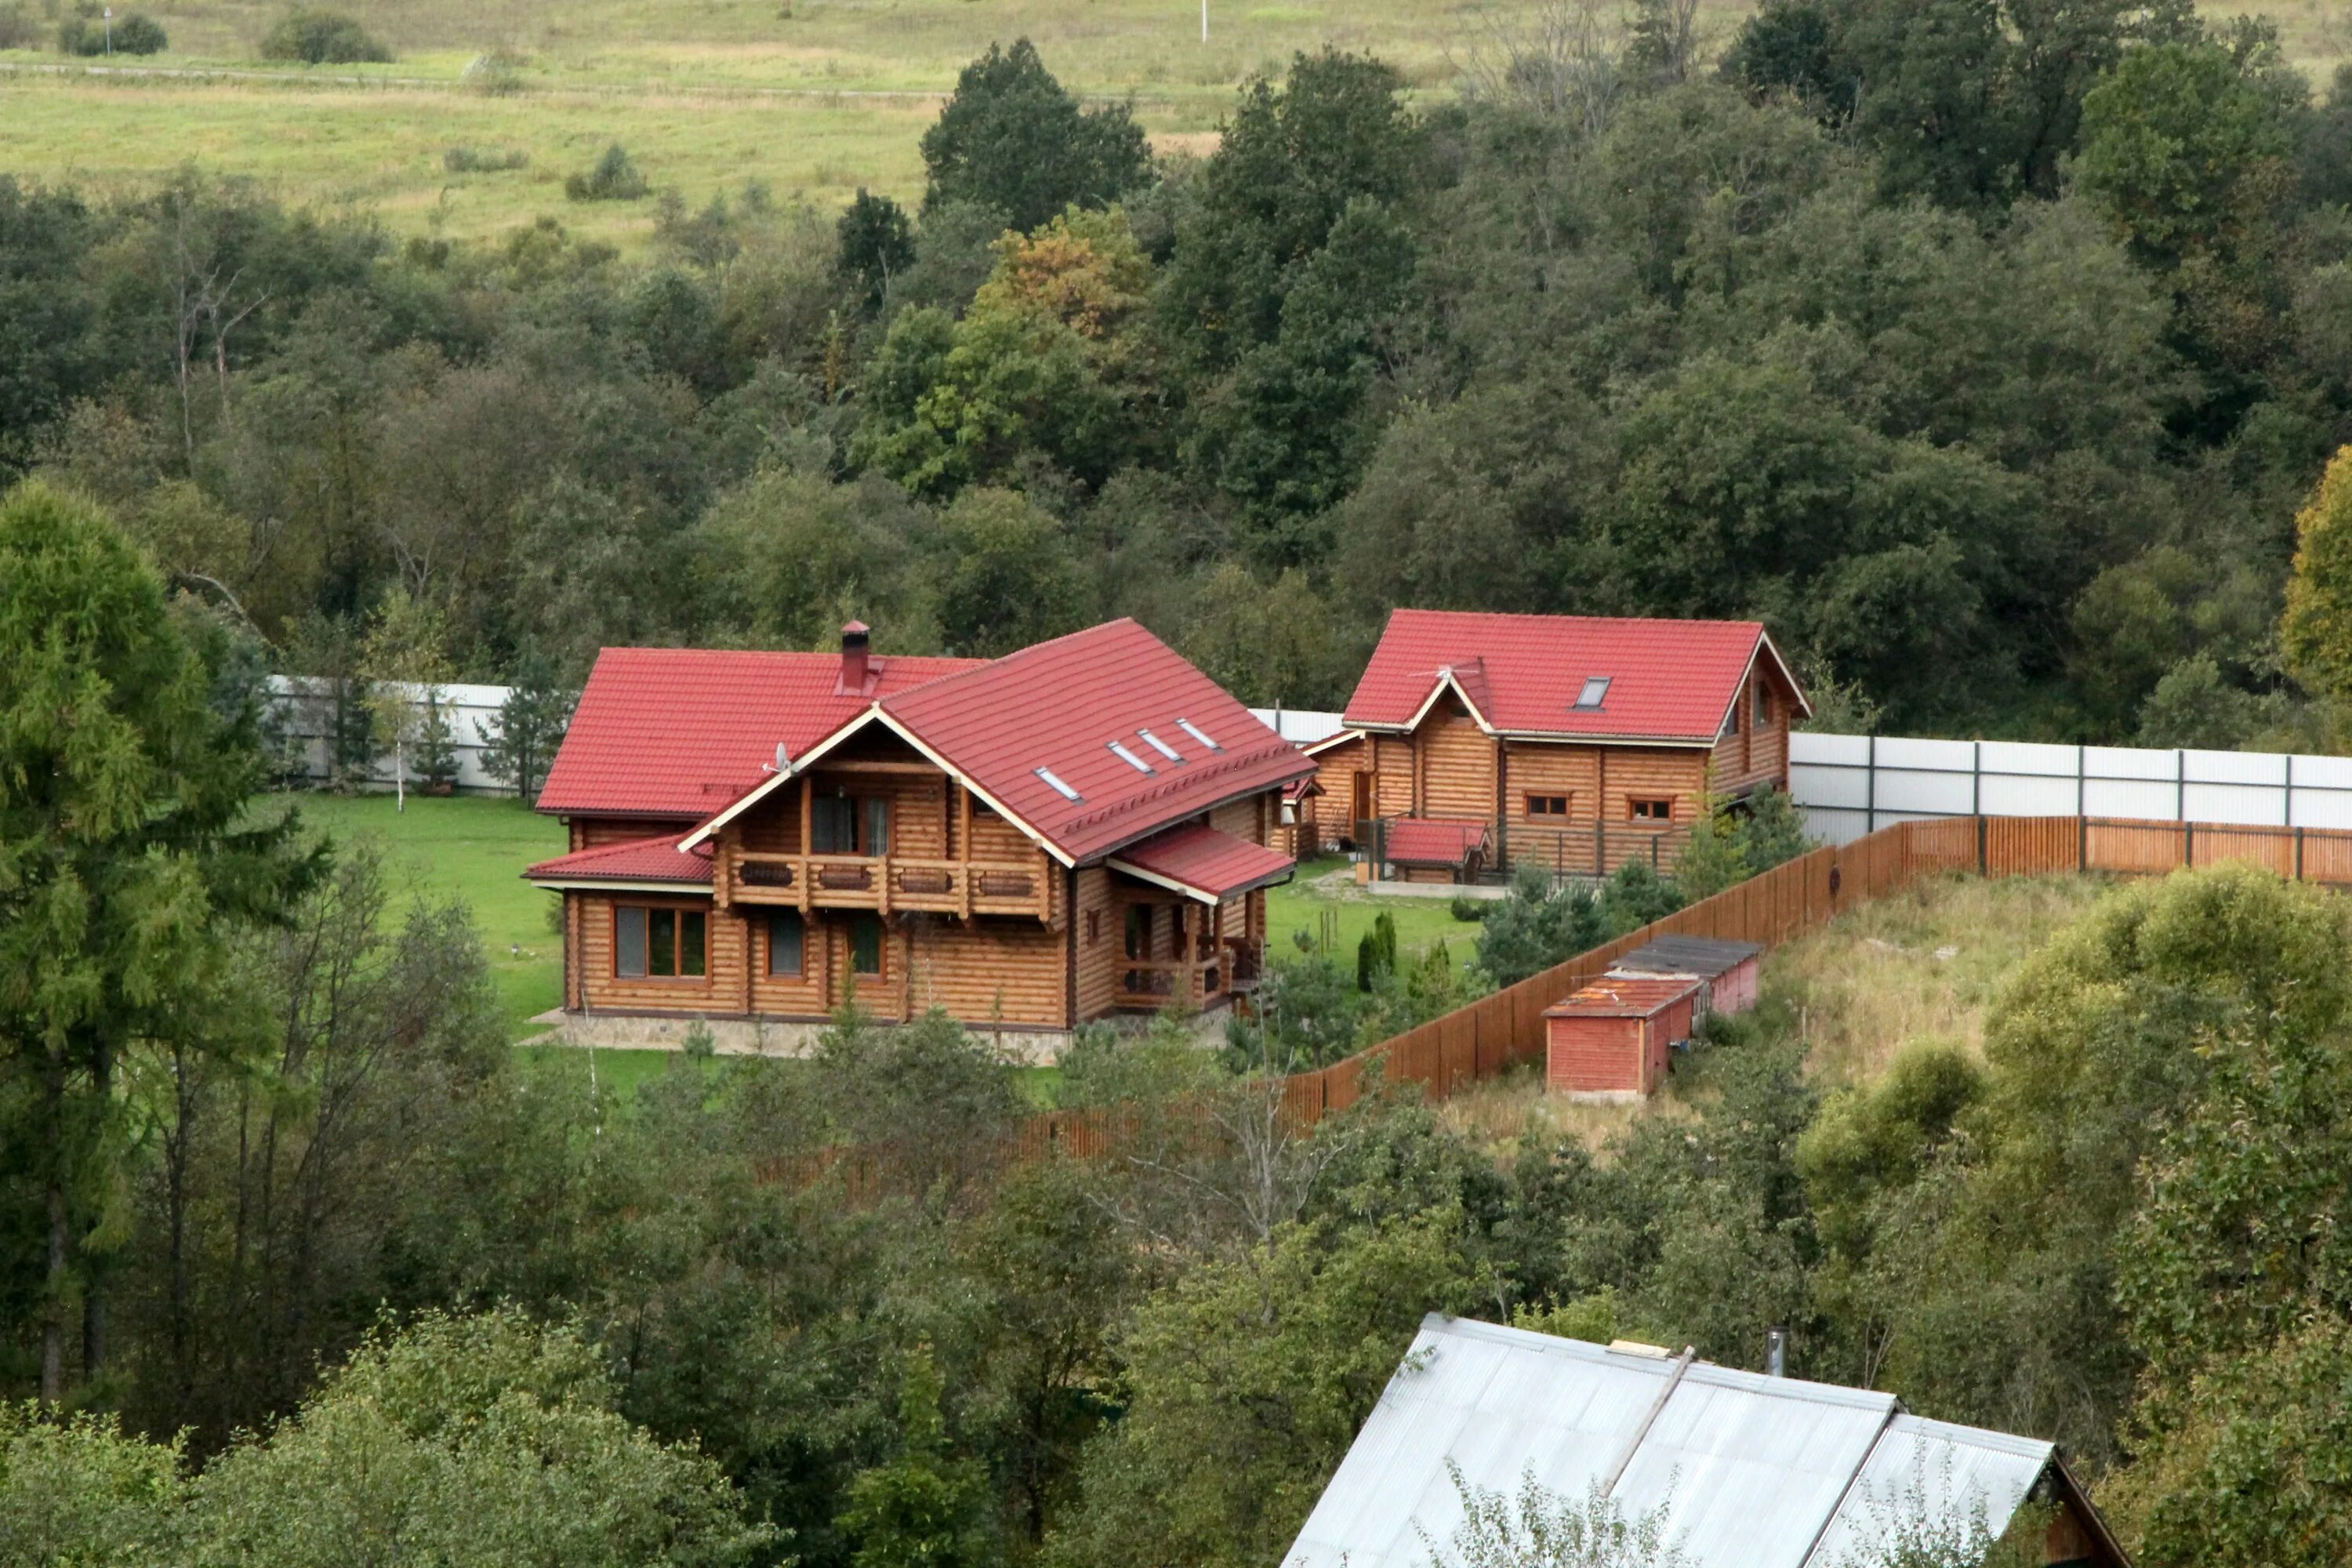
{"type": "Point", "coordinates": [854, 642]}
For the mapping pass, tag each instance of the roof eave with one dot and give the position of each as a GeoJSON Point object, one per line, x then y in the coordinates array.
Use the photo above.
{"type": "Point", "coordinates": [584, 883]}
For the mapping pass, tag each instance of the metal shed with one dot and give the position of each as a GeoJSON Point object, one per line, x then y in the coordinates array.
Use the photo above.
{"type": "Point", "coordinates": [1728, 972]}
{"type": "Point", "coordinates": [1613, 1039]}
{"type": "Point", "coordinates": [1756, 1471]}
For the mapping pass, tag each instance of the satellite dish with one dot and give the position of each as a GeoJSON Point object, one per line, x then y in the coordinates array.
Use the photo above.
{"type": "Point", "coordinates": [783, 758]}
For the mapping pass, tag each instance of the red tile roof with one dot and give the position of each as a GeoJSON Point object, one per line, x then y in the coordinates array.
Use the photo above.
{"type": "Point", "coordinates": [1615, 998]}
{"type": "Point", "coordinates": [1434, 841]}
{"type": "Point", "coordinates": [1203, 862]}
{"type": "Point", "coordinates": [1668, 681]}
{"type": "Point", "coordinates": [685, 734]}
{"type": "Point", "coordinates": [678, 733]}
{"type": "Point", "coordinates": [656, 860]}
{"type": "Point", "coordinates": [1059, 705]}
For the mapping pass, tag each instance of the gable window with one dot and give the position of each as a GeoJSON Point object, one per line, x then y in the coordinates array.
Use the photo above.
{"type": "Point", "coordinates": [1763, 705]}
{"type": "Point", "coordinates": [1731, 720]}
{"type": "Point", "coordinates": [866, 946]}
{"type": "Point", "coordinates": [1546, 805]}
{"type": "Point", "coordinates": [659, 942]}
{"type": "Point", "coordinates": [1652, 810]}
{"type": "Point", "coordinates": [787, 944]}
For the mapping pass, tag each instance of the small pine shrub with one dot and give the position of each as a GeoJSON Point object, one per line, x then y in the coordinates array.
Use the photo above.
{"type": "Point", "coordinates": [85, 33]}
{"type": "Point", "coordinates": [1471, 911]}
{"type": "Point", "coordinates": [466, 160]}
{"type": "Point", "coordinates": [322, 38]}
{"type": "Point", "coordinates": [614, 179]}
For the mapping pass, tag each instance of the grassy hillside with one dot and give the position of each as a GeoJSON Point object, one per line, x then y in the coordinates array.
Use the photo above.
{"type": "Point", "coordinates": [1928, 961]}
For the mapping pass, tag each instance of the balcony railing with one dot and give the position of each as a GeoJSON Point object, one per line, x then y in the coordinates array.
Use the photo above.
{"type": "Point", "coordinates": [1156, 983]}
{"type": "Point", "coordinates": [887, 883]}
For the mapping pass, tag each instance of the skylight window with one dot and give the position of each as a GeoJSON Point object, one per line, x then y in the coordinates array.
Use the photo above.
{"type": "Point", "coordinates": [1130, 759]}
{"type": "Point", "coordinates": [1194, 730]}
{"type": "Point", "coordinates": [1163, 747]}
{"type": "Point", "coordinates": [1596, 691]}
{"type": "Point", "coordinates": [1064, 791]}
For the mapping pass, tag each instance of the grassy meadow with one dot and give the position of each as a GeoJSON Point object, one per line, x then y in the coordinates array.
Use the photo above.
{"type": "Point", "coordinates": [1927, 963]}
{"type": "Point", "coordinates": [811, 99]}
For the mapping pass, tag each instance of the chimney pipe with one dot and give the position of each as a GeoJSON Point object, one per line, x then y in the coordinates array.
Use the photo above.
{"type": "Point", "coordinates": [855, 641]}
{"type": "Point", "coordinates": [1776, 1351]}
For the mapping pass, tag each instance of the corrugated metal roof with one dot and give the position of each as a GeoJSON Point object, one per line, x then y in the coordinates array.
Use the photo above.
{"type": "Point", "coordinates": [1433, 840]}
{"type": "Point", "coordinates": [1705, 956]}
{"type": "Point", "coordinates": [1755, 1471]}
{"type": "Point", "coordinates": [655, 859]}
{"type": "Point", "coordinates": [1623, 998]}
{"type": "Point", "coordinates": [1203, 862]}
{"type": "Point", "coordinates": [1944, 1471]}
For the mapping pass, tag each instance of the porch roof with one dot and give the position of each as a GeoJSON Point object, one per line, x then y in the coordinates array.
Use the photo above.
{"type": "Point", "coordinates": [1434, 841]}
{"type": "Point", "coordinates": [1202, 863]}
{"type": "Point", "coordinates": [634, 861]}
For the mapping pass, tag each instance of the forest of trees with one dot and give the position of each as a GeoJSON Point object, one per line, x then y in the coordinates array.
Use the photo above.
{"type": "Point", "coordinates": [1989, 372]}
{"type": "Point", "coordinates": [1989, 352]}
{"type": "Point", "coordinates": [306, 1265]}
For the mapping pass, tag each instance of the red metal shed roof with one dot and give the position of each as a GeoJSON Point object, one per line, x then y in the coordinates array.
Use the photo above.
{"type": "Point", "coordinates": [1060, 706]}
{"type": "Point", "coordinates": [1434, 841]}
{"type": "Point", "coordinates": [1201, 861]}
{"type": "Point", "coordinates": [1668, 681]}
{"type": "Point", "coordinates": [656, 860]}
{"type": "Point", "coordinates": [1616, 998]}
{"type": "Point", "coordinates": [678, 733]}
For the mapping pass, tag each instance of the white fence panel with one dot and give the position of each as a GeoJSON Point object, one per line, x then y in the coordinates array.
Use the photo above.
{"type": "Point", "coordinates": [1849, 784]}
{"type": "Point", "coordinates": [304, 710]}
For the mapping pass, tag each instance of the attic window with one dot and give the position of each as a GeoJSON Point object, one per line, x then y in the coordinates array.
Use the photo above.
{"type": "Point", "coordinates": [1160, 746]}
{"type": "Point", "coordinates": [1129, 758]}
{"type": "Point", "coordinates": [1064, 791]}
{"type": "Point", "coordinates": [1193, 730]}
{"type": "Point", "coordinates": [1595, 692]}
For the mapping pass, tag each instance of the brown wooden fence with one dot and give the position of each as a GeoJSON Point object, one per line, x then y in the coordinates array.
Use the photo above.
{"type": "Point", "coordinates": [1792, 899]}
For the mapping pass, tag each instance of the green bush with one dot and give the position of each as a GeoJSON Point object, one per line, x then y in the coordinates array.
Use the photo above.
{"type": "Point", "coordinates": [469, 160]}
{"type": "Point", "coordinates": [614, 179]}
{"type": "Point", "coordinates": [1471, 911]}
{"type": "Point", "coordinates": [134, 32]}
{"type": "Point", "coordinates": [18, 29]}
{"type": "Point", "coordinates": [322, 38]}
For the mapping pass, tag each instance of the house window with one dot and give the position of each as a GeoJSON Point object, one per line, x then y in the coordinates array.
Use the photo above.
{"type": "Point", "coordinates": [1731, 720]}
{"type": "Point", "coordinates": [1094, 927]}
{"type": "Point", "coordinates": [1653, 810]}
{"type": "Point", "coordinates": [1595, 693]}
{"type": "Point", "coordinates": [653, 943]}
{"type": "Point", "coordinates": [787, 944]}
{"type": "Point", "coordinates": [866, 946]}
{"type": "Point", "coordinates": [1546, 805]}
{"type": "Point", "coordinates": [878, 827]}
{"type": "Point", "coordinates": [1763, 705]}
{"type": "Point", "coordinates": [1139, 930]}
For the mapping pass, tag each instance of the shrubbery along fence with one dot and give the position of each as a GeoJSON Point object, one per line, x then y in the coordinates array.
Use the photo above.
{"type": "Point", "coordinates": [1492, 1034]}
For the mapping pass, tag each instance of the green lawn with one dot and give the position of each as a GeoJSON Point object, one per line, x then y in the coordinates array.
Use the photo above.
{"type": "Point", "coordinates": [1297, 906]}
{"type": "Point", "coordinates": [473, 850]}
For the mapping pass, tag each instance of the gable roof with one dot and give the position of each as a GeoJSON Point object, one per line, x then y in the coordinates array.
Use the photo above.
{"type": "Point", "coordinates": [681, 733]}
{"type": "Point", "coordinates": [1705, 956]}
{"type": "Point", "coordinates": [674, 732]}
{"type": "Point", "coordinates": [1669, 681]}
{"type": "Point", "coordinates": [1761, 1472]}
{"type": "Point", "coordinates": [1060, 705]}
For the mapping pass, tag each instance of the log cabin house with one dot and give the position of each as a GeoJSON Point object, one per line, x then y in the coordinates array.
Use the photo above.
{"type": "Point", "coordinates": [1579, 742]}
{"type": "Point", "coordinates": [1075, 829]}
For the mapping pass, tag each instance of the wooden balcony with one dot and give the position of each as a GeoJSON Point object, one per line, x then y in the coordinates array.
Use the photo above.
{"type": "Point", "coordinates": [889, 884]}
